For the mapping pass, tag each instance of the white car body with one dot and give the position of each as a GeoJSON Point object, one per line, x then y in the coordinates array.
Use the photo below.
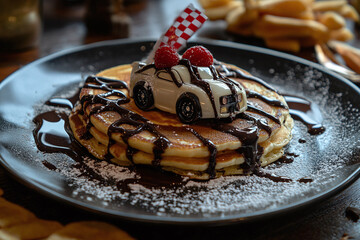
{"type": "Point", "coordinates": [168, 85]}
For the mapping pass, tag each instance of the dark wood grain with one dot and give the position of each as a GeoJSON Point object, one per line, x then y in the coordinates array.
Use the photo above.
{"type": "Point", "coordinates": [64, 28]}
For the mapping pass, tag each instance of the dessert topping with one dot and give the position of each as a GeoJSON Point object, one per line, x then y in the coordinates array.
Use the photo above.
{"type": "Point", "coordinates": [166, 56]}
{"type": "Point", "coordinates": [199, 56]}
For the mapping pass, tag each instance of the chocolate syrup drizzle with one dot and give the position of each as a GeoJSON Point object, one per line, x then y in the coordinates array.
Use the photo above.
{"type": "Point", "coordinates": [236, 73]}
{"type": "Point", "coordinates": [212, 149]}
{"type": "Point", "coordinates": [248, 137]}
{"type": "Point", "coordinates": [64, 102]}
{"type": "Point", "coordinates": [127, 116]}
{"type": "Point", "coordinates": [273, 102]}
{"type": "Point", "coordinates": [302, 109]}
{"type": "Point", "coordinates": [196, 80]}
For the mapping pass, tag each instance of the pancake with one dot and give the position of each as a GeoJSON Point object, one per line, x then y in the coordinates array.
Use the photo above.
{"type": "Point", "coordinates": [110, 126]}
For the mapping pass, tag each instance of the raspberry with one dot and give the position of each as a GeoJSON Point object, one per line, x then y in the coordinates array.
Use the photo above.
{"type": "Point", "coordinates": [166, 56]}
{"type": "Point", "coordinates": [199, 56]}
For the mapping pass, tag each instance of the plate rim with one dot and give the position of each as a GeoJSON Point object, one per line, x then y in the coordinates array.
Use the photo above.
{"type": "Point", "coordinates": [215, 220]}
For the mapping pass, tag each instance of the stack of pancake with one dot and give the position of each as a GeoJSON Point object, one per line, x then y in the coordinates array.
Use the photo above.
{"type": "Point", "coordinates": [110, 126]}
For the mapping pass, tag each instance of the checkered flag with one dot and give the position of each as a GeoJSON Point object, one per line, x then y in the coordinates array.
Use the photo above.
{"type": "Point", "coordinates": [185, 25]}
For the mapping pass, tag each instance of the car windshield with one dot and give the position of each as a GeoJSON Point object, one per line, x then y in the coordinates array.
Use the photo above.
{"type": "Point", "coordinates": [205, 73]}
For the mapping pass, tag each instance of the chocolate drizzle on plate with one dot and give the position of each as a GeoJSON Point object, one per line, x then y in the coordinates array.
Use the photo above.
{"type": "Point", "coordinates": [286, 159]}
{"type": "Point", "coordinates": [113, 97]}
{"type": "Point", "coordinates": [305, 180]}
{"type": "Point", "coordinates": [50, 166]}
{"type": "Point", "coordinates": [51, 133]}
{"type": "Point", "coordinates": [272, 177]}
{"type": "Point", "coordinates": [64, 102]}
{"type": "Point", "coordinates": [307, 112]}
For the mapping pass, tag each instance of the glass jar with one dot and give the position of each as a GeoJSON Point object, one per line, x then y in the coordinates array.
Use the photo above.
{"type": "Point", "coordinates": [20, 24]}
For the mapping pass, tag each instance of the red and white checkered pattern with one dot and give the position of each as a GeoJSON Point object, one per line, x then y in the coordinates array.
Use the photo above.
{"type": "Point", "coordinates": [185, 25]}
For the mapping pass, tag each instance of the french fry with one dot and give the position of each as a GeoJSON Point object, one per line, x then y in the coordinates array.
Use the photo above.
{"type": "Point", "coordinates": [306, 15]}
{"type": "Point", "coordinates": [332, 20]}
{"type": "Point", "coordinates": [285, 8]}
{"type": "Point", "coordinates": [17, 223]}
{"type": "Point", "coordinates": [246, 30]}
{"type": "Point", "coordinates": [286, 24]}
{"type": "Point", "coordinates": [32, 230]}
{"type": "Point", "coordinates": [338, 46]}
{"type": "Point", "coordinates": [327, 53]}
{"type": "Point", "coordinates": [285, 44]}
{"type": "Point", "coordinates": [350, 54]}
{"type": "Point", "coordinates": [282, 27]}
{"type": "Point", "coordinates": [218, 13]}
{"type": "Point", "coordinates": [350, 12]}
{"type": "Point", "coordinates": [241, 17]}
{"type": "Point", "coordinates": [251, 4]}
{"type": "Point", "coordinates": [342, 34]}
{"type": "Point", "coordinates": [329, 5]}
{"type": "Point", "coordinates": [90, 230]}
{"type": "Point", "coordinates": [213, 3]}
{"type": "Point", "coordinates": [351, 60]}
{"type": "Point", "coordinates": [12, 214]}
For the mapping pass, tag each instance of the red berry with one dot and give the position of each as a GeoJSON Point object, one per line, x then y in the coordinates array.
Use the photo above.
{"type": "Point", "coordinates": [166, 56]}
{"type": "Point", "coordinates": [199, 56]}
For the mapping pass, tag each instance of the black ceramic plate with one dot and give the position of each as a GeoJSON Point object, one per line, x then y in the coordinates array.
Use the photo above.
{"type": "Point", "coordinates": [331, 160]}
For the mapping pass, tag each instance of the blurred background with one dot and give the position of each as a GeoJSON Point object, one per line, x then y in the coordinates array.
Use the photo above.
{"type": "Point", "coordinates": [31, 29]}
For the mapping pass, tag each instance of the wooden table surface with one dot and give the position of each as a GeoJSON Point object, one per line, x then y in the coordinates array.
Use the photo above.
{"type": "Point", "coordinates": [64, 28]}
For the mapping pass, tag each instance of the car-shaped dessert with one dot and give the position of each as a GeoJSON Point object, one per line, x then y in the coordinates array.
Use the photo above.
{"type": "Point", "coordinates": [190, 92]}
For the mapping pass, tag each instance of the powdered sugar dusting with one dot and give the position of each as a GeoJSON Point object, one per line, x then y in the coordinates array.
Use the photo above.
{"type": "Point", "coordinates": [321, 158]}
{"type": "Point", "coordinates": [109, 171]}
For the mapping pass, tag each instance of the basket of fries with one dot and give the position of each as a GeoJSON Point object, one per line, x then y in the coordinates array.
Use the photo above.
{"type": "Point", "coordinates": [286, 25]}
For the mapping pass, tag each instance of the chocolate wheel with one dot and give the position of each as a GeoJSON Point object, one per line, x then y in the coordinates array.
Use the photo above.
{"type": "Point", "coordinates": [188, 108]}
{"type": "Point", "coordinates": [143, 96]}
